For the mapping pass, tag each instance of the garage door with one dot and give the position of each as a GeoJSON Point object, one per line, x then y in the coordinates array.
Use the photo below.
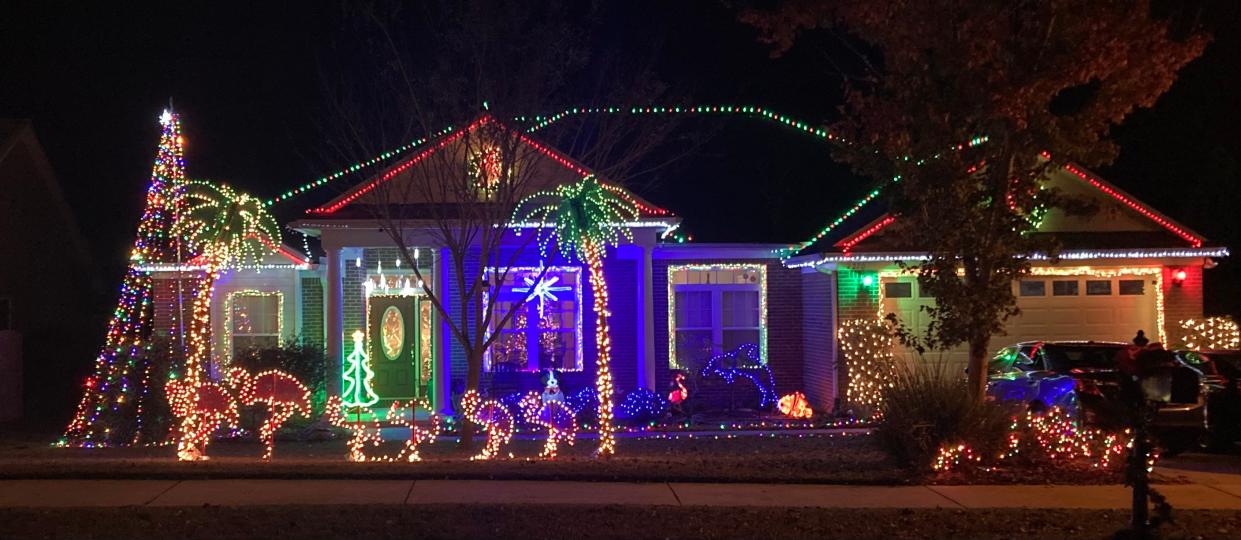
{"type": "Point", "coordinates": [1053, 308]}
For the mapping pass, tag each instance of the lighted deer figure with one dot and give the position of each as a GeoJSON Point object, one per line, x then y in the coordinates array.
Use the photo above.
{"type": "Point", "coordinates": [282, 393]}
{"type": "Point", "coordinates": [417, 435]}
{"type": "Point", "coordinates": [494, 418]}
{"type": "Point", "coordinates": [361, 434]}
{"type": "Point", "coordinates": [203, 407]}
{"type": "Point", "coordinates": [553, 415]}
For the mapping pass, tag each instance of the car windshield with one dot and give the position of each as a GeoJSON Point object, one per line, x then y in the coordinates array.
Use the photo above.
{"type": "Point", "coordinates": [1066, 357]}
{"type": "Point", "coordinates": [1232, 358]}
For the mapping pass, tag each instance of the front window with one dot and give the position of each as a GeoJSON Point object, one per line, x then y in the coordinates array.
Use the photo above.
{"type": "Point", "coordinates": [715, 309]}
{"type": "Point", "coordinates": [254, 320]}
{"type": "Point", "coordinates": [542, 320]}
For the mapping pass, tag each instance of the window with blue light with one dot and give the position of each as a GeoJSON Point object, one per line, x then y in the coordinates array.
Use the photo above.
{"type": "Point", "coordinates": [544, 330]}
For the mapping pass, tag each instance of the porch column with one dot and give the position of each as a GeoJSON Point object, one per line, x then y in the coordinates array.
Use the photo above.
{"type": "Point", "coordinates": [332, 317]}
{"type": "Point", "coordinates": [646, 320]}
{"type": "Point", "coordinates": [443, 350]}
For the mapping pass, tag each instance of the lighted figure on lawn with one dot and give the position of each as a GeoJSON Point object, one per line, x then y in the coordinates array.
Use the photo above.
{"type": "Point", "coordinates": [795, 406]}
{"type": "Point", "coordinates": [283, 394]}
{"type": "Point", "coordinates": [364, 433]}
{"type": "Point", "coordinates": [733, 364]}
{"type": "Point", "coordinates": [204, 407]}
{"type": "Point", "coordinates": [587, 217]}
{"type": "Point", "coordinates": [551, 389]}
{"type": "Point", "coordinates": [553, 415]}
{"type": "Point", "coordinates": [679, 392]}
{"type": "Point", "coordinates": [494, 418]}
{"type": "Point", "coordinates": [361, 433]}
{"type": "Point", "coordinates": [407, 417]}
{"type": "Point", "coordinates": [358, 376]}
{"type": "Point", "coordinates": [228, 229]}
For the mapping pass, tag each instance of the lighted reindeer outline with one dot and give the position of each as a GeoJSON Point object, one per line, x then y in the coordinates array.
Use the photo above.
{"type": "Point", "coordinates": [365, 434]}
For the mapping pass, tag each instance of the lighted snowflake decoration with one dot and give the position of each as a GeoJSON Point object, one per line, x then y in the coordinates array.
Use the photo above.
{"type": "Point", "coordinates": [543, 289]}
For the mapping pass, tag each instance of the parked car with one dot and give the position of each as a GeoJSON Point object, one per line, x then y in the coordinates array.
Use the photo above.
{"type": "Point", "coordinates": [1220, 372]}
{"type": "Point", "coordinates": [1083, 378]}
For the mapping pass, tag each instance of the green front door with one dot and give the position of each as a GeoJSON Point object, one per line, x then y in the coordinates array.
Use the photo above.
{"type": "Point", "coordinates": [392, 331]}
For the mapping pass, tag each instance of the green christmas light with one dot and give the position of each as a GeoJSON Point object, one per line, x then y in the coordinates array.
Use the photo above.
{"type": "Point", "coordinates": [358, 376]}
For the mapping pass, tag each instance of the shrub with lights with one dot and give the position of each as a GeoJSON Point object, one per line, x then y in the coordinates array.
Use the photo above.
{"type": "Point", "coordinates": [642, 406]}
{"type": "Point", "coordinates": [869, 363]}
{"type": "Point", "coordinates": [1054, 438]}
{"type": "Point", "coordinates": [1210, 333]}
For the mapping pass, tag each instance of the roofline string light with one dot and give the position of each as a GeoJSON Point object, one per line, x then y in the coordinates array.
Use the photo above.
{"type": "Point", "coordinates": [545, 121]}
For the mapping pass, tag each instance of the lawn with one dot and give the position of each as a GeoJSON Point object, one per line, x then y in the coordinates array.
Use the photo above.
{"type": "Point", "coordinates": [586, 522]}
{"type": "Point", "coordinates": [833, 457]}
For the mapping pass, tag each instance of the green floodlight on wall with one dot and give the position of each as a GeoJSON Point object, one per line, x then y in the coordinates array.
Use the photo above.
{"type": "Point", "coordinates": [868, 280]}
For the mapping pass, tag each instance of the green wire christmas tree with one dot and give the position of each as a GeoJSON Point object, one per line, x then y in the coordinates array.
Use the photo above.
{"type": "Point", "coordinates": [357, 376]}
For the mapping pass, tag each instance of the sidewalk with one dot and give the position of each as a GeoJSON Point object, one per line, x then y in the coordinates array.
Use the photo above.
{"type": "Point", "coordinates": [162, 493]}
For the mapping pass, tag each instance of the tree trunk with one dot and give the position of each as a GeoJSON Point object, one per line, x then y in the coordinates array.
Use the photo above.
{"type": "Point", "coordinates": [603, 344]}
{"type": "Point", "coordinates": [199, 343]}
{"type": "Point", "coordinates": [197, 351]}
{"type": "Point", "coordinates": [978, 366]}
{"type": "Point", "coordinates": [473, 375]}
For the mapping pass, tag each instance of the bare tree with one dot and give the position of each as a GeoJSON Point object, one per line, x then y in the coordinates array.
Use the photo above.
{"type": "Point", "coordinates": [485, 68]}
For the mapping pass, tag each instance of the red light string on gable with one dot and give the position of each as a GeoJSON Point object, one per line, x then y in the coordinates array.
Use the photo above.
{"type": "Point", "coordinates": [555, 156]}
{"type": "Point", "coordinates": [366, 188]}
{"type": "Point", "coordinates": [870, 231]}
{"type": "Point", "coordinates": [544, 121]}
{"type": "Point", "coordinates": [1136, 206]}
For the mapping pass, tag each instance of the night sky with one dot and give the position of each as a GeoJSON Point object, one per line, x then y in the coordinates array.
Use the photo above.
{"type": "Point", "coordinates": [248, 83]}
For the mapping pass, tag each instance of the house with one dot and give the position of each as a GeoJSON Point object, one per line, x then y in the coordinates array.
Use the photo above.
{"type": "Point", "coordinates": [49, 275]}
{"type": "Point", "coordinates": [675, 305]}
{"type": "Point", "coordinates": [1123, 268]}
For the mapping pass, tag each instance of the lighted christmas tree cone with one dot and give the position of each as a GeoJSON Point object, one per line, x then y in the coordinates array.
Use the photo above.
{"type": "Point", "coordinates": [117, 390]}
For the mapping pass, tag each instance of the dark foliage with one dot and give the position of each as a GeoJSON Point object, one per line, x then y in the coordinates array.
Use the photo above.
{"type": "Point", "coordinates": [307, 362]}
{"type": "Point", "coordinates": [929, 405]}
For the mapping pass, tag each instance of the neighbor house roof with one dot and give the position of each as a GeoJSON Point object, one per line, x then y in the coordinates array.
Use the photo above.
{"type": "Point", "coordinates": [16, 133]}
{"type": "Point", "coordinates": [1134, 227]}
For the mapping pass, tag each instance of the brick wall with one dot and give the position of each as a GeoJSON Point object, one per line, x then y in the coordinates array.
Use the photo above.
{"type": "Point", "coordinates": [172, 314]}
{"type": "Point", "coordinates": [312, 311]}
{"type": "Point", "coordinates": [818, 338]}
{"type": "Point", "coordinates": [1180, 302]}
{"type": "Point", "coordinates": [784, 324]}
{"type": "Point", "coordinates": [856, 300]}
{"type": "Point", "coordinates": [622, 277]}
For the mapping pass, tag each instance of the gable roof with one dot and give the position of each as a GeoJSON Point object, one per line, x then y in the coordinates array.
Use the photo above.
{"type": "Point", "coordinates": [1128, 223]}
{"type": "Point", "coordinates": [561, 169]}
{"type": "Point", "coordinates": [14, 132]}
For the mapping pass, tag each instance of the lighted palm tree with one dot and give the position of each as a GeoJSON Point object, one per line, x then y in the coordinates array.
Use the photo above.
{"type": "Point", "coordinates": [586, 217]}
{"type": "Point", "coordinates": [227, 229]}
